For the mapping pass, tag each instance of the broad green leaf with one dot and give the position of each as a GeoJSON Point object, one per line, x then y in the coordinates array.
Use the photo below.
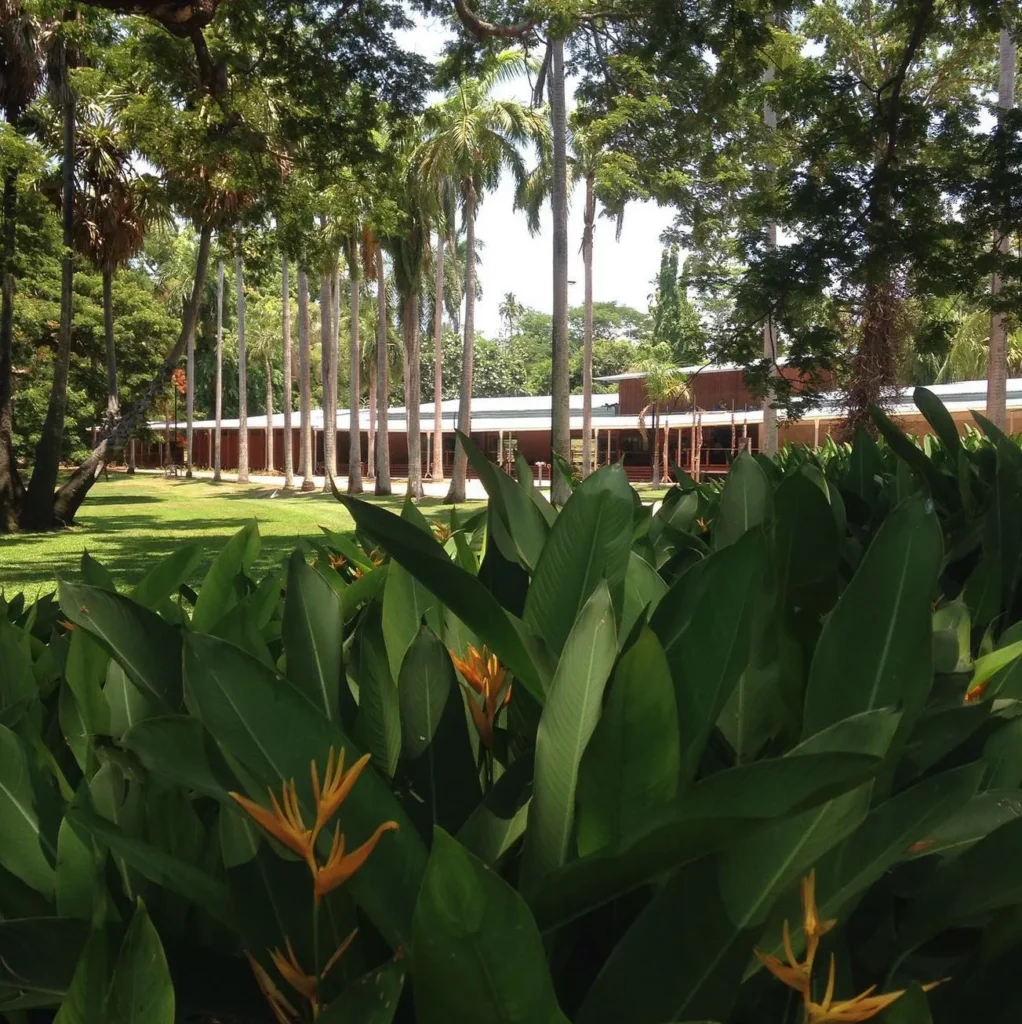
{"type": "Point", "coordinates": [86, 673]}
{"type": "Point", "coordinates": [17, 680]}
{"type": "Point", "coordinates": [744, 502]}
{"type": "Point", "coordinates": [167, 575]}
{"type": "Point", "coordinates": [989, 665]}
{"type": "Point", "coordinates": [644, 588]}
{"type": "Point", "coordinates": [96, 574]}
{"type": "Point", "coordinates": [632, 763]}
{"type": "Point", "coordinates": [86, 999]}
{"type": "Point", "coordinates": [499, 820]}
{"type": "Point", "coordinates": [911, 1008]}
{"type": "Point", "coordinates": [424, 687]}
{"type": "Point", "coordinates": [155, 864]}
{"type": "Point", "coordinates": [79, 879]}
{"type": "Point", "coordinates": [864, 467]}
{"type": "Point", "coordinates": [217, 594]}
{"type": "Point", "coordinates": [458, 589]}
{"type": "Point", "coordinates": [913, 458]}
{"type": "Point", "coordinates": [940, 419]}
{"type": "Point", "coordinates": [806, 542]}
{"type": "Point", "coordinates": [127, 705]}
{"type": "Point", "coordinates": [312, 631]}
{"type": "Point", "coordinates": [875, 649]}
{"type": "Point", "coordinates": [276, 733]}
{"type": "Point", "coordinates": [27, 846]}
{"type": "Point", "coordinates": [147, 647]}
{"type": "Point", "coordinates": [141, 991]}
{"type": "Point", "coordinates": [378, 725]}
{"type": "Point", "coordinates": [373, 999]}
{"type": "Point", "coordinates": [589, 542]}
{"type": "Point", "coordinates": [565, 727]}
{"type": "Point", "coordinates": [478, 953]}
{"type": "Point", "coordinates": [38, 956]}
{"type": "Point", "coordinates": [983, 814]}
{"type": "Point", "coordinates": [405, 603]}
{"type": "Point", "coordinates": [705, 625]}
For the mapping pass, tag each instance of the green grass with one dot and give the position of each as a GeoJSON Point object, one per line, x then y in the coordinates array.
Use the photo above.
{"type": "Point", "coordinates": [130, 522]}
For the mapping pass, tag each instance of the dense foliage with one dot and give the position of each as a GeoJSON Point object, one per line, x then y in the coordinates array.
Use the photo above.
{"type": "Point", "coordinates": [604, 747]}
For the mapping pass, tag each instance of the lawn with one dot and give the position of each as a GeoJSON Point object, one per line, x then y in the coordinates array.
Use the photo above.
{"type": "Point", "coordinates": [130, 522]}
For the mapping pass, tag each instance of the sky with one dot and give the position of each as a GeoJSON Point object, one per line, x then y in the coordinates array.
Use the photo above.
{"type": "Point", "coordinates": [515, 261]}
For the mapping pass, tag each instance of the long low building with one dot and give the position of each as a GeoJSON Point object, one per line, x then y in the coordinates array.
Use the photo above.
{"type": "Point", "coordinates": [701, 432]}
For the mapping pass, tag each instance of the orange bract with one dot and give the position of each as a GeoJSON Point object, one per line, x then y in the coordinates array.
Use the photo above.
{"type": "Point", "coordinates": [340, 866]}
{"type": "Point", "coordinates": [483, 673]}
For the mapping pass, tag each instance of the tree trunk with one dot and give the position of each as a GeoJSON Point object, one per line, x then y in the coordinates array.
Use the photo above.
{"type": "Point", "coordinates": [189, 403]}
{"type": "Point", "coordinates": [997, 362]}
{"type": "Point", "coordinates": [438, 362]}
{"type": "Point", "coordinates": [413, 394]}
{"type": "Point", "coordinates": [37, 513]}
{"type": "Point", "coordinates": [111, 350]}
{"type": "Point", "coordinates": [329, 377]}
{"type": "Point", "coordinates": [308, 466]}
{"type": "Point", "coordinates": [70, 497]}
{"type": "Point", "coordinates": [239, 284]}
{"type": "Point", "coordinates": [656, 475]}
{"type": "Point", "coordinates": [11, 489]}
{"type": "Point", "coordinates": [219, 397]}
{"type": "Point", "coordinates": [768, 431]}
{"type": "Point", "coordinates": [354, 381]}
{"type": "Point", "coordinates": [382, 381]}
{"type": "Point", "coordinates": [587, 338]}
{"type": "Point", "coordinates": [371, 449]}
{"type": "Point", "coordinates": [456, 492]}
{"type": "Point", "coordinates": [269, 414]}
{"type": "Point", "coordinates": [285, 359]}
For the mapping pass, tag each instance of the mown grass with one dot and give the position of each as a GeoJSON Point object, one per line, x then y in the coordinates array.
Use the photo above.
{"type": "Point", "coordinates": [129, 522]}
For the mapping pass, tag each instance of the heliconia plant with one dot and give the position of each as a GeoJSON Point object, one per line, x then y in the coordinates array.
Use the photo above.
{"type": "Point", "coordinates": [753, 755]}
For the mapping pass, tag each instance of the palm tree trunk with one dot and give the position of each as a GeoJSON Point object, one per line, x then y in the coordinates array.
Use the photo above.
{"type": "Point", "coordinates": [997, 362]}
{"type": "Point", "coordinates": [219, 397]}
{"type": "Point", "coordinates": [655, 477]}
{"type": "Point", "coordinates": [329, 375]}
{"type": "Point", "coordinates": [111, 350]}
{"type": "Point", "coordinates": [413, 394]}
{"type": "Point", "coordinates": [304, 358]}
{"type": "Point", "coordinates": [382, 380]}
{"type": "Point", "coordinates": [768, 431]}
{"type": "Point", "coordinates": [285, 359]}
{"type": "Point", "coordinates": [559, 387]}
{"type": "Point", "coordinates": [371, 449]}
{"type": "Point", "coordinates": [11, 490]}
{"type": "Point", "coordinates": [189, 401]}
{"type": "Point", "coordinates": [587, 338]}
{"type": "Point", "coordinates": [37, 513]}
{"type": "Point", "coordinates": [354, 381]}
{"type": "Point", "coordinates": [438, 362]}
{"type": "Point", "coordinates": [456, 492]}
{"type": "Point", "coordinates": [239, 284]}
{"type": "Point", "coordinates": [269, 414]}
{"type": "Point", "coordinates": [71, 495]}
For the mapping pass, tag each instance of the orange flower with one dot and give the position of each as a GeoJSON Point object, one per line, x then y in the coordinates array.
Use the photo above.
{"type": "Point", "coordinates": [864, 1006]}
{"type": "Point", "coordinates": [284, 824]}
{"type": "Point", "coordinates": [337, 785]}
{"type": "Point", "coordinates": [483, 674]}
{"type": "Point", "coordinates": [283, 1011]}
{"type": "Point", "coordinates": [306, 985]}
{"type": "Point", "coordinates": [336, 561]}
{"type": "Point", "coordinates": [977, 692]}
{"type": "Point", "coordinates": [340, 866]}
{"type": "Point", "coordinates": [442, 532]}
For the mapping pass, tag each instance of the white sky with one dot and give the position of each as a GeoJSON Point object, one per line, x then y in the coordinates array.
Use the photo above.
{"type": "Point", "coordinates": [514, 261]}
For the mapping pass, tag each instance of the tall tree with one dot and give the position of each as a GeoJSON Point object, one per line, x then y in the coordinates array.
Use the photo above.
{"type": "Point", "coordinates": [285, 359]}
{"type": "Point", "coordinates": [997, 365]}
{"type": "Point", "coordinates": [219, 399]}
{"type": "Point", "coordinates": [308, 461]}
{"type": "Point", "coordinates": [239, 284]}
{"type": "Point", "coordinates": [382, 377]}
{"type": "Point", "coordinates": [475, 137]}
{"type": "Point", "coordinates": [354, 376]}
{"type": "Point", "coordinates": [329, 375]}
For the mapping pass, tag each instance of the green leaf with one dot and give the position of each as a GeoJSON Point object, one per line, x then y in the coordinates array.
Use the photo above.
{"type": "Point", "coordinates": [147, 647]}
{"type": "Point", "coordinates": [167, 575]}
{"type": "Point", "coordinates": [275, 733]}
{"type": "Point", "coordinates": [875, 649]}
{"type": "Point", "coordinates": [85, 1002]}
{"type": "Point", "coordinates": [458, 589]}
{"type": "Point", "coordinates": [155, 864]}
{"type": "Point", "coordinates": [806, 543]}
{"type": "Point", "coordinates": [373, 999]}
{"type": "Point", "coordinates": [27, 849]}
{"type": "Point", "coordinates": [744, 502]}
{"type": "Point", "coordinates": [478, 953]}
{"type": "Point", "coordinates": [312, 631]}
{"type": "Point", "coordinates": [705, 625]}
{"type": "Point", "coordinates": [37, 959]}
{"type": "Point", "coordinates": [79, 874]}
{"type": "Point", "coordinates": [141, 991]}
{"type": "Point", "coordinates": [589, 542]}
{"type": "Point", "coordinates": [644, 589]}
{"type": "Point", "coordinates": [864, 466]}
{"type": "Point", "coordinates": [17, 681]}
{"type": "Point", "coordinates": [406, 602]}
{"type": "Point", "coordinates": [424, 687]}
{"type": "Point", "coordinates": [940, 419]}
{"type": "Point", "coordinates": [217, 595]}
{"type": "Point", "coordinates": [632, 763]}
{"type": "Point", "coordinates": [565, 727]}
{"type": "Point", "coordinates": [911, 1008]}
{"type": "Point", "coordinates": [941, 487]}
{"type": "Point", "coordinates": [96, 574]}
{"type": "Point", "coordinates": [499, 820]}
{"type": "Point", "coordinates": [378, 725]}
{"type": "Point", "coordinates": [984, 813]}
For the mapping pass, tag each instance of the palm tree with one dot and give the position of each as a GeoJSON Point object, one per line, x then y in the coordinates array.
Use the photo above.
{"type": "Point", "coordinates": [329, 374]}
{"type": "Point", "coordinates": [219, 400]}
{"type": "Point", "coordinates": [474, 137]}
{"type": "Point", "coordinates": [354, 377]}
{"type": "Point", "coordinates": [20, 77]}
{"type": "Point", "coordinates": [239, 283]}
{"type": "Point", "coordinates": [285, 319]}
{"type": "Point", "coordinates": [997, 371]}
{"type": "Point", "coordinates": [382, 378]}
{"type": "Point", "coordinates": [663, 387]}
{"type": "Point", "coordinates": [308, 467]}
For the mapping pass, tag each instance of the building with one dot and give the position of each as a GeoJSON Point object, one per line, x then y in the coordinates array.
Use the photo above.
{"type": "Point", "coordinates": [701, 432]}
